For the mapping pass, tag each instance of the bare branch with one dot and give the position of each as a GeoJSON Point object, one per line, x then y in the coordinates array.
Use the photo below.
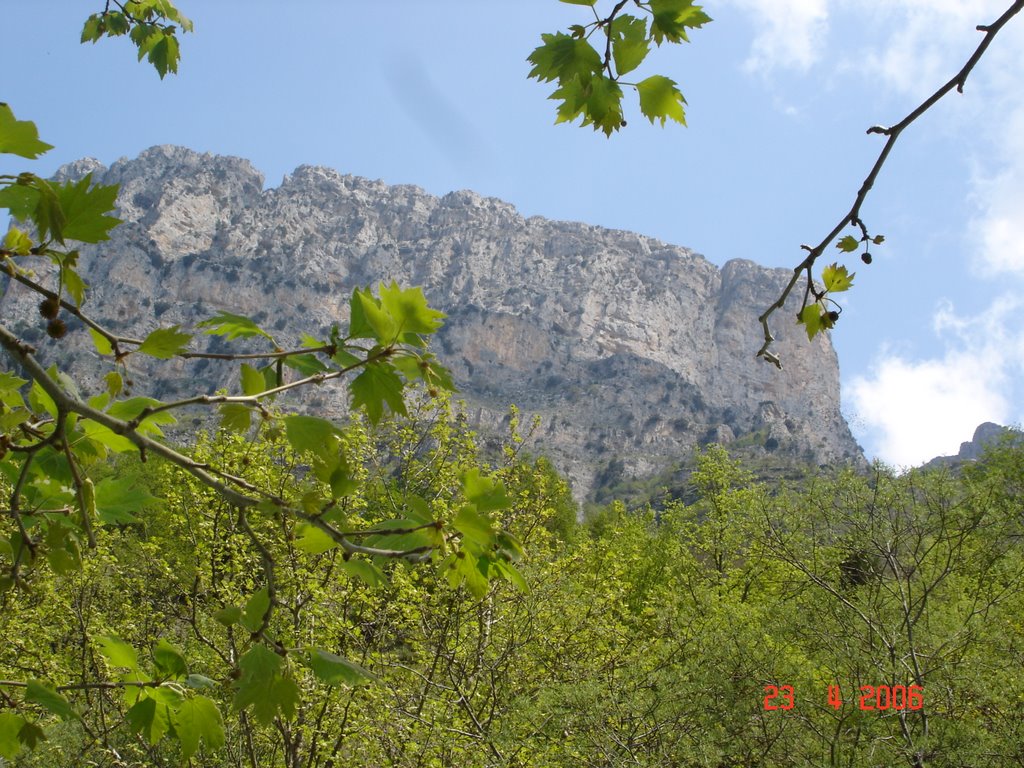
{"type": "Point", "coordinates": [893, 133]}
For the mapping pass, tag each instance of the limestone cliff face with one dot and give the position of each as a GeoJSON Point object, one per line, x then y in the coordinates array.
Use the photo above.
{"type": "Point", "coordinates": [631, 350]}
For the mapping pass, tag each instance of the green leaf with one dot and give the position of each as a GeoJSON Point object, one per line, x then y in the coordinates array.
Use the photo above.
{"type": "Point", "coordinates": [312, 540]}
{"type": "Point", "coordinates": [117, 652]}
{"type": "Point", "coordinates": [228, 615]}
{"type": "Point", "coordinates": [131, 409]}
{"type": "Point", "coordinates": [169, 660]}
{"type": "Point", "coordinates": [372, 313]}
{"type": "Point", "coordinates": [262, 687]}
{"type": "Point", "coordinates": [198, 719]}
{"type": "Point", "coordinates": [17, 242]}
{"type": "Point", "coordinates": [101, 343]}
{"type": "Point", "coordinates": [118, 501]}
{"type": "Point", "coordinates": [878, 239]}
{"type": "Point", "coordinates": [848, 244]}
{"type": "Point", "coordinates": [21, 200]}
{"type": "Point", "coordinates": [468, 571]}
{"type": "Point", "coordinates": [149, 718]}
{"type": "Point", "coordinates": [335, 670]}
{"type": "Point", "coordinates": [409, 310]}
{"type": "Point", "coordinates": [671, 19]}
{"type": "Point", "coordinates": [93, 29]}
{"type": "Point", "coordinates": [376, 385]}
{"type": "Point", "coordinates": [810, 316]}
{"type": "Point", "coordinates": [10, 726]}
{"type": "Point", "coordinates": [485, 492]}
{"type": "Point", "coordinates": [512, 575]}
{"type": "Point", "coordinates": [474, 526]}
{"type": "Point", "coordinates": [255, 609]}
{"type": "Point", "coordinates": [253, 381]}
{"type": "Point", "coordinates": [233, 327]}
{"type": "Point", "coordinates": [510, 547]}
{"type": "Point", "coordinates": [661, 100]}
{"type": "Point", "coordinates": [235, 417]}
{"type": "Point", "coordinates": [579, 2]}
{"type": "Point", "coordinates": [312, 434]}
{"type": "Point", "coordinates": [366, 571]}
{"type": "Point", "coordinates": [630, 44]}
{"type": "Point", "coordinates": [106, 437]}
{"type": "Point", "coordinates": [603, 105]}
{"type": "Point", "coordinates": [306, 365]}
{"type": "Point", "coordinates": [562, 58]}
{"type": "Point", "coordinates": [74, 284]}
{"type": "Point", "coordinates": [116, 23]}
{"type": "Point", "coordinates": [49, 699]}
{"type": "Point", "coordinates": [837, 278]}
{"type": "Point", "coordinates": [31, 735]}
{"type": "Point", "coordinates": [114, 383]}
{"type": "Point", "coordinates": [20, 137]}
{"type": "Point", "coordinates": [165, 343]}
{"type": "Point", "coordinates": [84, 207]}
{"type": "Point", "coordinates": [164, 54]}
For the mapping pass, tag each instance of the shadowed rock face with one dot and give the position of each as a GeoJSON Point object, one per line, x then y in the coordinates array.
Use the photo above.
{"type": "Point", "coordinates": [628, 348]}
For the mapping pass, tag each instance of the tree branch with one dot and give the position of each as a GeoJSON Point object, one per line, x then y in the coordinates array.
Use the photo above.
{"type": "Point", "coordinates": [893, 133]}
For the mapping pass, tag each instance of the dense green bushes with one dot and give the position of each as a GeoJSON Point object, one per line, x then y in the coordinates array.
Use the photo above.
{"type": "Point", "coordinates": [643, 639]}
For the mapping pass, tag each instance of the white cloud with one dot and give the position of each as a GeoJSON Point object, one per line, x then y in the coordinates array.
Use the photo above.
{"type": "Point", "coordinates": [790, 32]}
{"type": "Point", "coordinates": [997, 228]}
{"type": "Point", "coordinates": [909, 45]}
{"type": "Point", "coordinates": [919, 44]}
{"type": "Point", "coordinates": [914, 410]}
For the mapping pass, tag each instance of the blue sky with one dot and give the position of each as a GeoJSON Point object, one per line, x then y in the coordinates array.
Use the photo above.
{"type": "Point", "coordinates": [780, 94]}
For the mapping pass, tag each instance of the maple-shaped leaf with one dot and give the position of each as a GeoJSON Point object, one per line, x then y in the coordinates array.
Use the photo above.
{"type": "Point", "coordinates": [232, 327]}
{"type": "Point", "coordinates": [335, 670]}
{"type": "Point", "coordinates": [263, 686]}
{"type": "Point", "coordinates": [20, 199]}
{"type": "Point", "coordinates": [603, 105]}
{"type": "Point", "coordinates": [563, 57]}
{"type": "Point", "coordinates": [85, 207]}
{"type": "Point", "coordinates": [630, 44]}
{"type": "Point", "coordinates": [811, 316]}
{"type": "Point", "coordinates": [837, 278]}
{"type": "Point", "coordinates": [661, 100]}
{"type": "Point", "coordinates": [376, 386]}
{"type": "Point", "coordinates": [164, 343]}
{"type": "Point", "coordinates": [409, 310]}
{"type": "Point", "coordinates": [150, 718]}
{"type": "Point", "coordinates": [198, 719]}
{"type": "Point", "coordinates": [20, 137]}
{"type": "Point", "coordinates": [848, 244]}
{"type": "Point", "coordinates": [673, 17]}
{"type": "Point", "coordinates": [10, 727]}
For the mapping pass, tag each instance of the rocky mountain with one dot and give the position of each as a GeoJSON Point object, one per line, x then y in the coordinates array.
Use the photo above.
{"type": "Point", "coordinates": [987, 435]}
{"type": "Point", "coordinates": [632, 351]}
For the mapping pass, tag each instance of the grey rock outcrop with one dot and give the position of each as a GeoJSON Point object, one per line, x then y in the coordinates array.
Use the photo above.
{"type": "Point", "coordinates": [630, 350]}
{"type": "Point", "coordinates": [987, 435]}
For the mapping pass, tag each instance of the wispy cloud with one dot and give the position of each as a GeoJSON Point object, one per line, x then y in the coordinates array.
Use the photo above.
{"type": "Point", "coordinates": [997, 226]}
{"type": "Point", "coordinates": [790, 32]}
{"type": "Point", "coordinates": [913, 410]}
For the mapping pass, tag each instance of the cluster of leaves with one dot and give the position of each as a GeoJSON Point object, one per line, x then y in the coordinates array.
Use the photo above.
{"type": "Point", "coordinates": [236, 644]}
{"type": "Point", "coordinates": [152, 25]}
{"type": "Point", "coordinates": [646, 637]}
{"type": "Point", "coordinates": [57, 443]}
{"type": "Point", "coordinates": [820, 311]}
{"type": "Point", "coordinates": [589, 78]}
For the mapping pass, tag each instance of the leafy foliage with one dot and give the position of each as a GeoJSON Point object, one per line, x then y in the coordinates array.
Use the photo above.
{"type": "Point", "coordinates": [590, 82]}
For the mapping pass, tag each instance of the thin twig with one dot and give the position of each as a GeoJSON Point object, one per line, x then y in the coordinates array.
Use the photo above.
{"type": "Point", "coordinates": [893, 133]}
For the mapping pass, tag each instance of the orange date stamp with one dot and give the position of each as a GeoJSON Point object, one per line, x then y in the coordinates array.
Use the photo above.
{"type": "Point", "coordinates": [880, 698]}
